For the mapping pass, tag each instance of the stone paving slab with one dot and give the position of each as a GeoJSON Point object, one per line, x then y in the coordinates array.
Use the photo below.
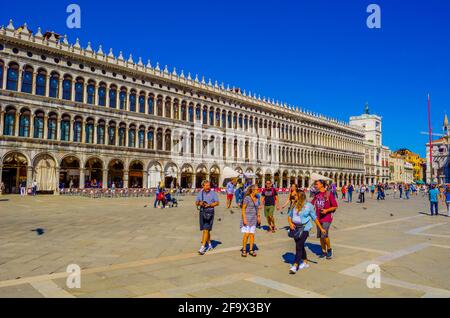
{"type": "Point", "coordinates": [128, 250]}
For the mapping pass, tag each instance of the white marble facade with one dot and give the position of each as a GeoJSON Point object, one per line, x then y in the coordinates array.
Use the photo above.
{"type": "Point", "coordinates": [72, 115]}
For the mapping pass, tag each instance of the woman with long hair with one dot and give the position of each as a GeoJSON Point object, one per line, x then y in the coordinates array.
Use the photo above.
{"type": "Point", "coordinates": [251, 217]}
{"type": "Point", "coordinates": [300, 220]}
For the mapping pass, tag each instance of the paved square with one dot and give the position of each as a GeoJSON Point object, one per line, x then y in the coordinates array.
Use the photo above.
{"type": "Point", "coordinates": [128, 250]}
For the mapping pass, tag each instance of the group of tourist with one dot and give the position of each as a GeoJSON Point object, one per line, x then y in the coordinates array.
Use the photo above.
{"type": "Point", "coordinates": [301, 216]}
{"type": "Point", "coordinates": [163, 197]}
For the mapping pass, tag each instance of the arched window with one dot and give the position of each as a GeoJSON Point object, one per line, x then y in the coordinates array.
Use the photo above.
{"type": "Point", "coordinates": [183, 111]}
{"type": "Point", "coordinates": [112, 133]}
{"type": "Point", "coordinates": [141, 137]}
{"type": "Point", "coordinates": [168, 107]}
{"type": "Point", "coordinates": [132, 101]}
{"type": "Point", "coordinates": [245, 123]}
{"type": "Point", "coordinates": [159, 139]}
{"type": "Point", "coordinates": [27, 80]}
{"type": "Point", "coordinates": [24, 123]}
{"type": "Point", "coordinates": [240, 122]}
{"type": "Point", "coordinates": [229, 120]}
{"type": "Point", "coordinates": [123, 99]}
{"type": "Point", "coordinates": [102, 94]}
{"type": "Point", "coordinates": [198, 113]}
{"type": "Point", "coordinates": [2, 66]}
{"type": "Point", "coordinates": [10, 121]}
{"type": "Point", "coordinates": [89, 131]}
{"type": "Point", "coordinates": [235, 121]}
{"type": "Point", "coordinates": [218, 117]}
{"type": "Point", "coordinates": [192, 143]}
{"type": "Point", "coordinates": [122, 137]}
{"type": "Point", "coordinates": [79, 90]}
{"type": "Point", "coordinates": [191, 113]}
{"type": "Point", "coordinates": [77, 124]}
{"type": "Point", "coordinates": [38, 125]}
{"type": "Point", "coordinates": [65, 127]}
{"type": "Point", "coordinates": [113, 96]}
{"type": "Point", "coordinates": [41, 82]}
{"type": "Point", "coordinates": [159, 106]}
{"type": "Point", "coordinates": [224, 119]}
{"type": "Point", "coordinates": [51, 126]}
{"type": "Point", "coordinates": [54, 85]}
{"type": "Point", "coordinates": [132, 136]}
{"type": "Point", "coordinates": [150, 139]}
{"type": "Point", "coordinates": [176, 114]}
{"type": "Point", "coordinates": [12, 77]}
{"type": "Point", "coordinates": [67, 88]}
{"type": "Point", "coordinates": [168, 140]}
{"type": "Point", "coordinates": [101, 132]}
{"type": "Point", "coordinates": [205, 115]}
{"type": "Point", "coordinates": [211, 117]}
{"type": "Point", "coordinates": [90, 90]}
{"type": "Point", "coordinates": [142, 103]}
{"type": "Point", "coordinates": [150, 102]}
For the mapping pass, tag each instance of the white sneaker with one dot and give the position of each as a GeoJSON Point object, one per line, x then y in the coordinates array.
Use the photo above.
{"type": "Point", "coordinates": [293, 270]}
{"type": "Point", "coordinates": [303, 266]}
{"type": "Point", "coordinates": [202, 250]}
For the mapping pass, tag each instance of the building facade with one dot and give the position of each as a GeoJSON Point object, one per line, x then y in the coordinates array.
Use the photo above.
{"type": "Point", "coordinates": [401, 171]}
{"type": "Point", "coordinates": [415, 160]}
{"type": "Point", "coordinates": [71, 116]}
{"type": "Point", "coordinates": [376, 157]}
{"type": "Point", "coordinates": [439, 171]}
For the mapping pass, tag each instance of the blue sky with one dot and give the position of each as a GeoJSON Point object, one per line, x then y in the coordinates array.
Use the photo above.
{"type": "Point", "coordinates": [317, 54]}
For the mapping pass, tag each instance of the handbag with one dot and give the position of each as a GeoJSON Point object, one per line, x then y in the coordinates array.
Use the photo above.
{"type": "Point", "coordinates": [207, 213]}
{"type": "Point", "coordinates": [297, 232]}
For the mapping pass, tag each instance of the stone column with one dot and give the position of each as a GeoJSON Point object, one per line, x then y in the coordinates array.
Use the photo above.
{"type": "Point", "coordinates": [57, 171]}
{"type": "Point", "coordinates": [33, 83]}
{"type": "Point", "coordinates": [19, 78]}
{"type": "Point", "coordinates": [1, 123]}
{"type": "Point", "coordinates": [58, 129]}
{"type": "Point", "coordinates": [45, 127]}
{"type": "Point", "coordinates": [194, 180]}
{"type": "Point", "coordinates": [82, 174]}
{"type": "Point", "coordinates": [16, 123]}
{"type": "Point", "coordinates": [60, 88]}
{"type": "Point", "coordinates": [31, 134]}
{"type": "Point", "coordinates": [5, 71]}
{"type": "Point", "coordinates": [145, 180]}
{"type": "Point", "coordinates": [71, 130]}
{"type": "Point", "coordinates": [105, 179]}
{"type": "Point", "coordinates": [125, 179]}
{"type": "Point", "coordinates": [29, 176]}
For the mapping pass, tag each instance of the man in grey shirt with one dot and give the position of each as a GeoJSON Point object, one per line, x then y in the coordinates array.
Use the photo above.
{"type": "Point", "coordinates": [207, 200]}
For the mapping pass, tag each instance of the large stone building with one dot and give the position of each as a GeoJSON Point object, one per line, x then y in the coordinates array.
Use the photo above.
{"type": "Point", "coordinates": [376, 159]}
{"type": "Point", "coordinates": [440, 171]}
{"type": "Point", "coordinates": [70, 115]}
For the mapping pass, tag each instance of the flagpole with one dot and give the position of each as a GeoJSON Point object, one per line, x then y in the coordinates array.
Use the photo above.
{"type": "Point", "coordinates": [430, 139]}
